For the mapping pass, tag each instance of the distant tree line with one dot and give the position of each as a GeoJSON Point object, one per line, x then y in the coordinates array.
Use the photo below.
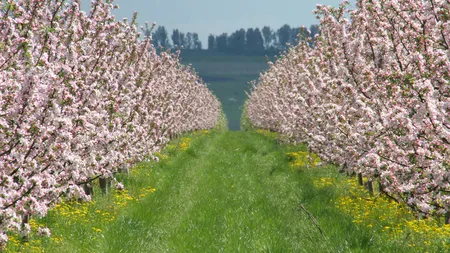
{"type": "Point", "coordinates": [253, 41]}
{"type": "Point", "coordinates": [260, 42]}
{"type": "Point", "coordinates": [188, 41]}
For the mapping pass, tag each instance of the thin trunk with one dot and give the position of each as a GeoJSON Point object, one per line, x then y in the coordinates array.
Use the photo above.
{"type": "Point", "coordinates": [360, 179]}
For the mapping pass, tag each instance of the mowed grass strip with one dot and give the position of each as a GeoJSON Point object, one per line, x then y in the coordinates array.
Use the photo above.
{"type": "Point", "coordinates": [233, 192]}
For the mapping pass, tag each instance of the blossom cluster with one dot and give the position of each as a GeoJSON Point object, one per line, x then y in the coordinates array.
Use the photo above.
{"type": "Point", "coordinates": [372, 96]}
{"type": "Point", "coordinates": [81, 96]}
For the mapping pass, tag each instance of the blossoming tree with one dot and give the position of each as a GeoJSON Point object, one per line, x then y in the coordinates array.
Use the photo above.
{"type": "Point", "coordinates": [372, 95]}
{"type": "Point", "coordinates": [81, 96]}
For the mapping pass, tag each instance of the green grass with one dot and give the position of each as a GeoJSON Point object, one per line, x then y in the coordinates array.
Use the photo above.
{"type": "Point", "coordinates": [225, 192]}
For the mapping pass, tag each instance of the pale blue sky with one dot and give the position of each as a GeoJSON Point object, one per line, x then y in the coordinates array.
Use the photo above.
{"type": "Point", "coordinates": [217, 16]}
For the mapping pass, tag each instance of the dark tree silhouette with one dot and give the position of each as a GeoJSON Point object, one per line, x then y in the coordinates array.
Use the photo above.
{"type": "Point", "coordinates": [197, 42]}
{"type": "Point", "coordinates": [161, 38]}
{"type": "Point", "coordinates": [236, 41]}
{"type": "Point", "coordinates": [269, 36]}
{"type": "Point", "coordinates": [212, 43]}
{"type": "Point", "coordinates": [249, 41]}
{"type": "Point", "coordinates": [189, 41]}
{"type": "Point", "coordinates": [259, 41]}
{"type": "Point", "coordinates": [176, 38]}
{"type": "Point", "coordinates": [284, 36]}
{"type": "Point", "coordinates": [254, 43]}
{"type": "Point", "coordinates": [182, 40]}
{"type": "Point", "coordinates": [222, 42]}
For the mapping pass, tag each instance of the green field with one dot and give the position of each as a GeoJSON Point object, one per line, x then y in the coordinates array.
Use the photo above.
{"type": "Point", "coordinates": [227, 76]}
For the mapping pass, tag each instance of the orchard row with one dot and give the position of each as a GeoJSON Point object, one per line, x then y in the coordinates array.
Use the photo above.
{"type": "Point", "coordinates": [372, 96]}
{"type": "Point", "coordinates": [82, 96]}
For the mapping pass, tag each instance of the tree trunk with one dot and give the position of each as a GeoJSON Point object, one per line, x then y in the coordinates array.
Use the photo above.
{"type": "Point", "coordinates": [447, 217]}
{"type": "Point", "coordinates": [369, 186]}
{"type": "Point", "coordinates": [380, 186]}
{"type": "Point", "coordinates": [308, 159]}
{"type": "Point", "coordinates": [25, 220]}
{"type": "Point", "coordinates": [343, 168]}
{"type": "Point", "coordinates": [104, 183]}
{"type": "Point", "coordinates": [360, 179]}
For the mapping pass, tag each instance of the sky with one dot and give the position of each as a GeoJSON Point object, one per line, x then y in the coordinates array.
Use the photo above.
{"type": "Point", "coordinates": [218, 16]}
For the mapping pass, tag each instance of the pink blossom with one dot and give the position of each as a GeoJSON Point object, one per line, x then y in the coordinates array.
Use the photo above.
{"type": "Point", "coordinates": [371, 95]}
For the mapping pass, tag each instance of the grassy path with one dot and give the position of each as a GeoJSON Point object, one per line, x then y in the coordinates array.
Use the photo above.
{"type": "Point", "coordinates": [233, 192]}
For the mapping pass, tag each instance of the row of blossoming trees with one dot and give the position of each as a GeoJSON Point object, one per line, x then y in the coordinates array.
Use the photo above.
{"type": "Point", "coordinates": [373, 96]}
{"type": "Point", "coordinates": [81, 96]}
